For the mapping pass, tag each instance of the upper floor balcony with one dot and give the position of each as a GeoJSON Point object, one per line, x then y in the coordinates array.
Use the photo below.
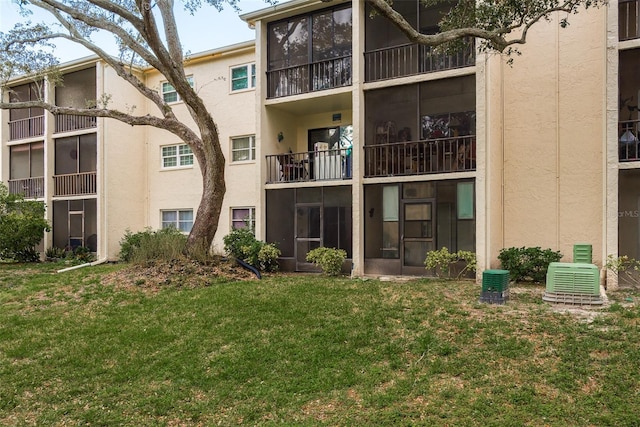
{"type": "Point", "coordinates": [72, 122]}
{"type": "Point", "coordinates": [311, 77]}
{"type": "Point", "coordinates": [412, 59]}
{"type": "Point", "coordinates": [441, 155]}
{"type": "Point", "coordinates": [308, 166]}
{"type": "Point", "coordinates": [628, 19]}
{"type": "Point", "coordinates": [29, 188]}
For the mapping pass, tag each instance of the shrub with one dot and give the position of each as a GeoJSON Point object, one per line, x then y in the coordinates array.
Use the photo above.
{"type": "Point", "coordinates": [268, 257]}
{"type": "Point", "coordinates": [166, 244]}
{"type": "Point", "coordinates": [241, 244]}
{"type": "Point", "coordinates": [22, 227]}
{"type": "Point", "coordinates": [83, 254]}
{"type": "Point", "coordinates": [441, 261]}
{"type": "Point", "coordinates": [626, 269]}
{"type": "Point", "coordinates": [528, 263]}
{"type": "Point", "coordinates": [330, 260]}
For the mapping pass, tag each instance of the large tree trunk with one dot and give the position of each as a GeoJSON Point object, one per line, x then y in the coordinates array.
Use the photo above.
{"type": "Point", "coordinates": [211, 160]}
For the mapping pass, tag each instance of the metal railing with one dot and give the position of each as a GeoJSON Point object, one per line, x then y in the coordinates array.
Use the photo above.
{"type": "Point", "coordinates": [26, 128]}
{"type": "Point", "coordinates": [74, 184]}
{"type": "Point", "coordinates": [628, 19]}
{"type": "Point", "coordinates": [309, 166]}
{"type": "Point", "coordinates": [421, 157]}
{"type": "Point", "coordinates": [311, 77]}
{"type": "Point", "coordinates": [412, 59]}
{"type": "Point", "coordinates": [71, 122]}
{"type": "Point", "coordinates": [29, 188]}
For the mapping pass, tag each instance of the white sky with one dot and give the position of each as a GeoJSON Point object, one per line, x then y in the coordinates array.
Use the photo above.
{"type": "Point", "coordinates": [208, 29]}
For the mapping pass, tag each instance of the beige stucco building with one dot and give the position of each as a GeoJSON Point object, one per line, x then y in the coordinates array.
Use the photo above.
{"type": "Point", "coordinates": [100, 177]}
{"type": "Point", "coordinates": [346, 135]}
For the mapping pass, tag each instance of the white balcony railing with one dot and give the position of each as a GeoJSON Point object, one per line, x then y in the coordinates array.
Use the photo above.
{"type": "Point", "coordinates": [26, 128]}
{"type": "Point", "coordinates": [75, 184]}
{"type": "Point", "coordinates": [29, 188]}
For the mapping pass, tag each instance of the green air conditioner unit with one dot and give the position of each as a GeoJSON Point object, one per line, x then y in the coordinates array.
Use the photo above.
{"type": "Point", "coordinates": [582, 253]}
{"type": "Point", "coordinates": [572, 283]}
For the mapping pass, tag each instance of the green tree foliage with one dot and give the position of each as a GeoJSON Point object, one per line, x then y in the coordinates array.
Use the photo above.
{"type": "Point", "coordinates": [22, 226]}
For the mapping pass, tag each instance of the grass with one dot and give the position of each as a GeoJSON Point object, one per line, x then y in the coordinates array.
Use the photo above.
{"type": "Point", "coordinates": [306, 350]}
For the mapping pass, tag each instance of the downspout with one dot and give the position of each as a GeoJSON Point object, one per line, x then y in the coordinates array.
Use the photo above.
{"type": "Point", "coordinates": [87, 264]}
{"type": "Point", "coordinates": [557, 137]}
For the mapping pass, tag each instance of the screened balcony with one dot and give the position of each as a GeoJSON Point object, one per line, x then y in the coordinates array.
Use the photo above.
{"type": "Point", "coordinates": [412, 59]}
{"type": "Point", "coordinates": [75, 165]}
{"type": "Point", "coordinates": [323, 165]}
{"type": "Point", "coordinates": [628, 19]}
{"type": "Point", "coordinates": [442, 155]}
{"type": "Point", "coordinates": [26, 170]}
{"type": "Point", "coordinates": [309, 52]}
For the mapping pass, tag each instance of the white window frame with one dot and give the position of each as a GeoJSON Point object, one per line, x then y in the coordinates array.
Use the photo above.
{"type": "Point", "coordinates": [251, 77]}
{"type": "Point", "coordinates": [251, 149]}
{"type": "Point", "coordinates": [165, 83]}
{"type": "Point", "coordinates": [179, 155]}
{"type": "Point", "coordinates": [178, 221]}
{"type": "Point", "coordinates": [251, 219]}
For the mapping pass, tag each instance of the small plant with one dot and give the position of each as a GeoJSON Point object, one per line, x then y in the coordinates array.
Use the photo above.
{"type": "Point", "coordinates": [627, 269]}
{"type": "Point", "coordinates": [441, 261]}
{"type": "Point", "coordinates": [54, 253]}
{"type": "Point", "coordinates": [330, 260]}
{"type": "Point", "coordinates": [528, 263]}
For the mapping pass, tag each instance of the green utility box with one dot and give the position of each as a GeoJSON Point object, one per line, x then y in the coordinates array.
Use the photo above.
{"type": "Point", "coordinates": [495, 286]}
{"type": "Point", "coordinates": [582, 253]}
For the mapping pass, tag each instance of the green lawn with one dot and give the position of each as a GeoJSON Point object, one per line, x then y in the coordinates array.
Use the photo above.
{"type": "Point", "coordinates": [307, 350]}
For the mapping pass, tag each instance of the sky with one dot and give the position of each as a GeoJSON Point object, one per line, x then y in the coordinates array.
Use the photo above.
{"type": "Point", "coordinates": [208, 29]}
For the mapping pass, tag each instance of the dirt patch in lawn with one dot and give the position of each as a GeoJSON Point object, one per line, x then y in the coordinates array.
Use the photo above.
{"type": "Point", "coordinates": [178, 273]}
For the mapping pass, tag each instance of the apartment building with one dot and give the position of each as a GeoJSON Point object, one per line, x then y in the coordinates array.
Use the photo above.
{"type": "Point", "coordinates": [100, 177]}
{"type": "Point", "coordinates": [388, 149]}
{"type": "Point", "coordinates": [341, 133]}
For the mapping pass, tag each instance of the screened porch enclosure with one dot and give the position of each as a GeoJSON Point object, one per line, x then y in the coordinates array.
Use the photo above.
{"type": "Point", "coordinates": [75, 165]}
{"type": "Point", "coordinates": [421, 128]}
{"type": "Point", "coordinates": [26, 176]}
{"type": "Point", "coordinates": [300, 220]}
{"type": "Point", "coordinates": [403, 221]}
{"type": "Point", "coordinates": [75, 224]}
{"type": "Point", "coordinates": [310, 52]}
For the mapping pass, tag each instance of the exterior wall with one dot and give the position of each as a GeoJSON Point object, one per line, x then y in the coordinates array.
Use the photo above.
{"type": "Point", "coordinates": [553, 160]}
{"type": "Point", "coordinates": [234, 113]}
{"type": "Point", "coordinates": [121, 166]}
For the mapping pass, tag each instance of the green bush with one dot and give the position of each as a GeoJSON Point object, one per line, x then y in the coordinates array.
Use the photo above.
{"type": "Point", "coordinates": [330, 260]}
{"type": "Point", "coordinates": [242, 244]}
{"type": "Point", "coordinates": [22, 227]}
{"type": "Point", "coordinates": [55, 253]}
{"type": "Point", "coordinates": [268, 257]}
{"type": "Point", "coordinates": [528, 263]}
{"type": "Point", "coordinates": [441, 261]}
{"type": "Point", "coordinates": [83, 254]}
{"type": "Point", "coordinates": [166, 244]}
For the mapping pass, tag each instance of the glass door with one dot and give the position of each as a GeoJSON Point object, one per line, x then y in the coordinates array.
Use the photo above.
{"type": "Point", "coordinates": [418, 224]}
{"type": "Point", "coordinates": [308, 233]}
{"type": "Point", "coordinates": [76, 229]}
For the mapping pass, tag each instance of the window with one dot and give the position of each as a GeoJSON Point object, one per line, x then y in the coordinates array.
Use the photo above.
{"type": "Point", "coordinates": [243, 77]}
{"type": "Point", "coordinates": [180, 219]}
{"type": "Point", "coordinates": [243, 217]}
{"type": "Point", "coordinates": [243, 148]}
{"type": "Point", "coordinates": [174, 156]}
{"type": "Point", "coordinates": [169, 93]}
